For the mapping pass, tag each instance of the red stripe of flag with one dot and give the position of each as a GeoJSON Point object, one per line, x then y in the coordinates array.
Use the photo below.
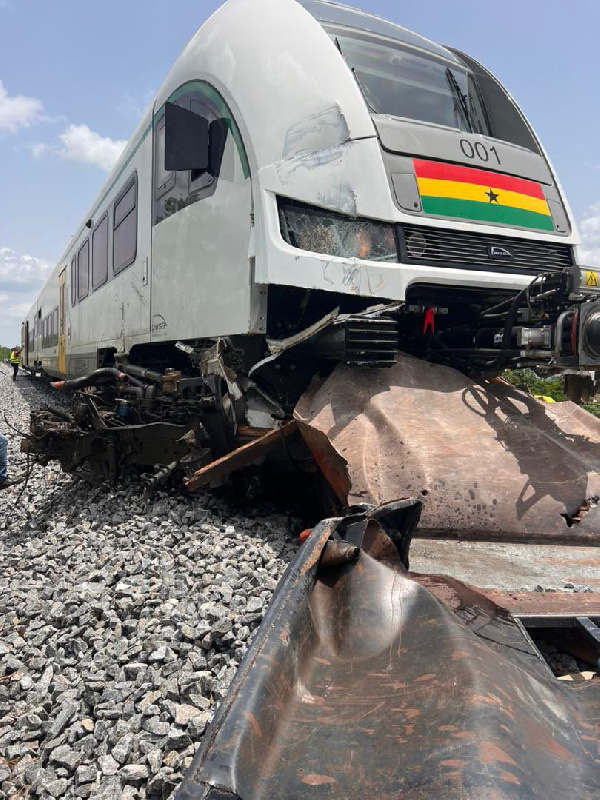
{"type": "Point", "coordinates": [450, 172]}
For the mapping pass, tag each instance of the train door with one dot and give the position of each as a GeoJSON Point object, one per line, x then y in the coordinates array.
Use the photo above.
{"type": "Point", "coordinates": [62, 322]}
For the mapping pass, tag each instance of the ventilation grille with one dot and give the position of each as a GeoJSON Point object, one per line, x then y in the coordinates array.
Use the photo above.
{"type": "Point", "coordinates": [371, 342]}
{"type": "Point", "coordinates": [438, 246]}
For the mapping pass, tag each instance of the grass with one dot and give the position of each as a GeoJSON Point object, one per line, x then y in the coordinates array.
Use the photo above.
{"type": "Point", "coordinates": [547, 387]}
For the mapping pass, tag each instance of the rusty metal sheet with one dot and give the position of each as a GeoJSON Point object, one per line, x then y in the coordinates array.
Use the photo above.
{"type": "Point", "coordinates": [362, 684]}
{"type": "Point", "coordinates": [512, 566]}
{"type": "Point", "coordinates": [251, 453]}
{"type": "Point", "coordinates": [489, 461]}
{"type": "Point", "coordinates": [547, 603]}
{"type": "Point", "coordinates": [554, 604]}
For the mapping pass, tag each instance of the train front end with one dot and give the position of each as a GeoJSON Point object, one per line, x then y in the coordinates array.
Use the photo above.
{"type": "Point", "coordinates": [449, 209]}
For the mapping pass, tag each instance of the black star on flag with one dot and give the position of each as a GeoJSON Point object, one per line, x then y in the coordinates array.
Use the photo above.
{"type": "Point", "coordinates": [493, 196]}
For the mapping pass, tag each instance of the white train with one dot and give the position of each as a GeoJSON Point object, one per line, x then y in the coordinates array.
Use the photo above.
{"type": "Point", "coordinates": [303, 163]}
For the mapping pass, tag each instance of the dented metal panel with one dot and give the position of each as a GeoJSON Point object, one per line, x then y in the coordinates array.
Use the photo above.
{"type": "Point", "coordinates": [488, 460]}
{"type": "Point", "coordinates": [362, 684]}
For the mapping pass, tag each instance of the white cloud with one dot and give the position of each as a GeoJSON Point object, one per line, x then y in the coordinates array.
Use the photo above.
{"type": "Point", "coordinates": [21, 277]}
{"type": "Point", "coordinates": [81, 144]}
{"type": "Point", "coordinates": [590, 236]}
{"type": "Point", "coordinates": [21, 270]}
{"type": "Point", "coordinates": [18, 111]}
{"type": "Point", "coordinates": [18, 310]}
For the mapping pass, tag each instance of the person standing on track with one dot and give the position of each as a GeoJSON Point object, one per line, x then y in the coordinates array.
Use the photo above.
{"type": "Point", "coordinates": [15, 360]}
{"type": "Point", "coordinates": [3, 461]}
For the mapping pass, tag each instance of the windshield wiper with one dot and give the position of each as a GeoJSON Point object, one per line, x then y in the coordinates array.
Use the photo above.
{"type": "Point", "coordinates": [363, 91]}
{"type": "Point", "coordinates": [460, 96]}
{"type": "Point", "coordinates": [356, 78]}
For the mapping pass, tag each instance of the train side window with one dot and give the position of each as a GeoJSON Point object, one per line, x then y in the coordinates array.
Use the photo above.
{"type": "Point", "coordinates": [100, 253]}
{"type": "Point", "coordinates": [55, 327]}
{"type": "Point", "coordinates": [125, 227]}
{"type": "Point", "coordinates": [73, 280]}
{"type": "Point", "coordinates": [83, 270]}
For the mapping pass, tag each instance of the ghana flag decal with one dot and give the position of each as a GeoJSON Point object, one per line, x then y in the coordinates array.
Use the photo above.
{"type": "Point", "coordinates": [451, 191]}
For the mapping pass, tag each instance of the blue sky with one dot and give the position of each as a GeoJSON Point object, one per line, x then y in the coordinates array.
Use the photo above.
{"type": "Point", "coordinates": [75, 77]}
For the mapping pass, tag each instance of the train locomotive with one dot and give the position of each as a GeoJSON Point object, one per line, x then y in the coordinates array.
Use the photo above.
{"type": "Point", "coordinates": [312, 185]}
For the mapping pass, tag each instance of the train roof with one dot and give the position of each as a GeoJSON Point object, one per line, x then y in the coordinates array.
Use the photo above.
{"type": "Point", "coordinates": [325, 11]}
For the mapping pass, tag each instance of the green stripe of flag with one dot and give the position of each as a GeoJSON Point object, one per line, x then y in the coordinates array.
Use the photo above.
{"type": "Point", "coordinates": [486, 212]}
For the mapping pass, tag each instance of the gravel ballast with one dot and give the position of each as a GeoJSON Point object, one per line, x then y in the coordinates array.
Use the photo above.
{"type": "Point", "coordinates": [121, 625]}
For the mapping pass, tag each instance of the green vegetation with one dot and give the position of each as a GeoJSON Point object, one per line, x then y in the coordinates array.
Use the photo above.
{"type": "Point", "coordinates": [593, 408]}
{"type": "Point", "coordinates": [527, 380]}
{"type": "Point", "coordinates": [547, 387]}
{"type": "Point", "coordinates": [4, 353]}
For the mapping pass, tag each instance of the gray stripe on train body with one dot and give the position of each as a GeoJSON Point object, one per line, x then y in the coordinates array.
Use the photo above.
{"type": "Point", "coordinates": [430, 142]}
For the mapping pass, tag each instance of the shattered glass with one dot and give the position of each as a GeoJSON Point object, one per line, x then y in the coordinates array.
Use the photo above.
{"type": "Point", "coordinates": [321, 231]}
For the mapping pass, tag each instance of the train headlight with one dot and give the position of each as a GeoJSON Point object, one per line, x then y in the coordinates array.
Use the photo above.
{"type": "Point", "coordinates": [332, 234]}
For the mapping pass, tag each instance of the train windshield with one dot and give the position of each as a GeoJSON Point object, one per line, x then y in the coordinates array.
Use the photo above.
{"type": "Point", "coordinates": [412, 84]}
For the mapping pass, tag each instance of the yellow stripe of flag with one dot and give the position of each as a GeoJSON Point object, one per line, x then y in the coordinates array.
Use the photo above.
{"type": "Point", "coordinates": [430, 187]}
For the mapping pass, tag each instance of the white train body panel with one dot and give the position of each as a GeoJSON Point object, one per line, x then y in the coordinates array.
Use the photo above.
{"type": "Point", "coordinates": [201, 275]}
{"type": "Point", "coordinates": [299, 128]}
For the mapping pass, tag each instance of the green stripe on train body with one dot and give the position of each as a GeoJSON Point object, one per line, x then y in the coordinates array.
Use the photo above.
{"type": "Point", "coordinates": [487, 212]}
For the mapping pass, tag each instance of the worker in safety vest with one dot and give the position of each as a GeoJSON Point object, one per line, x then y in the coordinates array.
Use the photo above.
{"type": "Point", "coordinates": [15, 360]}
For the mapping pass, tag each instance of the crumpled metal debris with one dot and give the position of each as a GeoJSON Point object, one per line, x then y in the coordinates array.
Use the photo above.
{"type": "Point", "coordinates": [362, 683]}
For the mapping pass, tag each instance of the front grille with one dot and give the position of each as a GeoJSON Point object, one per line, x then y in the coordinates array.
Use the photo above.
{"type": "Point", "coordinates": [419, 244]}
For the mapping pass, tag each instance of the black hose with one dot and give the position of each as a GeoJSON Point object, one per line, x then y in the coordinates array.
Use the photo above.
{"type": "Point", "coordinates": [143, 373]}
{"type": "Point", "coordinates": [134, 382]}
{"type": "Point", "coordinates": [102, 375]}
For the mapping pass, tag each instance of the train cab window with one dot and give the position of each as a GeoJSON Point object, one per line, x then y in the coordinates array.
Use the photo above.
{"type": "Point", "coordinates": [73, 280]}
{"type": "Point", "coordinates": [83, 270]}
{"type": "Point", "coordinates": [200, 178]}
{"type": "Point", "coordinates": [100, 253]}
{"type": "Point", "coordinates": [176, 190]}
{"type": "Point", "coordinates": [125, 227]}
{"type": "Point", "coordinates": [163, 178]}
